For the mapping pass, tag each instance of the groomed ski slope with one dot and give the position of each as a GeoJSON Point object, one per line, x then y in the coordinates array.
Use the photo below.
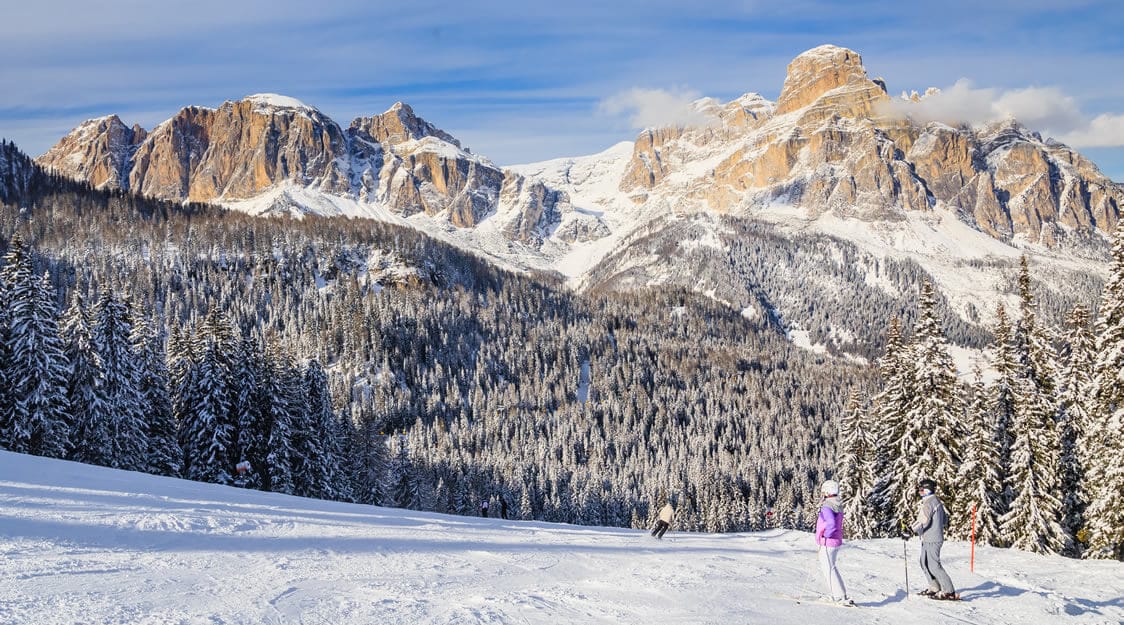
{"type": "Point", "coordinates": [83, 544]}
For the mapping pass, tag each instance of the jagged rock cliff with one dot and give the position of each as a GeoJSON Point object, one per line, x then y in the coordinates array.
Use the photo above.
{"type": "Point", "coordinates": [834, 142]}
{"type": "Point", "coordinates": [243, 149]}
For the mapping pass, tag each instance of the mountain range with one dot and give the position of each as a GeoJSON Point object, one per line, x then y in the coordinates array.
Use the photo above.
{"type": "Point", "coordinates": [834, 186]}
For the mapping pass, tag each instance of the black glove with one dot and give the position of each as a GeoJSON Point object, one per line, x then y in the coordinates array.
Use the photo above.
{"type": "Point", "coordinates": [907, 533]}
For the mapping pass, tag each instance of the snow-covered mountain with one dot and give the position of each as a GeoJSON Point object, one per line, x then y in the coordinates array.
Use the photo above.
{"type": "Point", "coordinates": [835, 158]}
{"type": "Point", "coordinates": [102, 546]}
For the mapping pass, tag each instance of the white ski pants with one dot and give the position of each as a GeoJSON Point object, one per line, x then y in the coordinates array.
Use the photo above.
{"type": "Point", "coordinates": [835, 586]}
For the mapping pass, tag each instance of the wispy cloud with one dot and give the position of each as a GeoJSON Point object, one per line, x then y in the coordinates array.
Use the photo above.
{"type": "Point", "coordinates": [555, 69]}
{"type": "Point", "coordinates": [1044, 109]}
{"type": "Point", "coordinates": [654, 108]}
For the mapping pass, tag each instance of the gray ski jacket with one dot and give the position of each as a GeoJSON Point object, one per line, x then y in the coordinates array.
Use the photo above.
{"type": "Point", "coordinates": [931, 520]}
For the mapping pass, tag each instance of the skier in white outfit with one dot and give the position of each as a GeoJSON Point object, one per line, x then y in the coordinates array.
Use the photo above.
{"type": "Point", "coordinates": [667, 513]}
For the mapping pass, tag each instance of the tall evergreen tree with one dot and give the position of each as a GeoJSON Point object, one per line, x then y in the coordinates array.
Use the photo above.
{"type": "Point", "coordinates": [205, 434]}
{"type": "Point", "coordinates": [163, 456]}
{"type": "Point", "coordinates": [856, 464]}
{"type": "Point", "coordinates": [283, 388]}
{"type": "Point", "coordinates": [112, 340]}
{"type": "Point", "coordinates": [37, 369]}
{"type": "Point", "coordinates": [1076, 409]}
{"type": "Point", "coordinates": [1105, 513]}
{"type": "Point", "coordinates": [932, 433]}
{"type": "Point", "coordinates": [1001, 399]}
{"type": "Point", "coordinates": [888, 408]}
{"type": "Point", "coordinates": [1033, 521]}
{"type": "Point", "coordinates": [319, 468]}
{"type": "Point", "coordinates": [979, 474]}
{"type": "Point", "coordinates": [249, 415]}
{"type": "Point", "coordinates": [90, 429]}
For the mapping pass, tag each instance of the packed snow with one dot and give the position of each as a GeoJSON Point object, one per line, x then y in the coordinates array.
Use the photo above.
{"type": "Point", "coordinates": [84, 544]}
{"type": "Point", "coordinates": [277, 101]}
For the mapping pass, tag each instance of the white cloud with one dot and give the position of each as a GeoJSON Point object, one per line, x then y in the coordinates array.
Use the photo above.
{"type": "Point", "coordinates": [655, 108]}
{"type": "Point", "coordinates": [1105, 131]}
{"type": "Point", "coordinates": [1044, 109]}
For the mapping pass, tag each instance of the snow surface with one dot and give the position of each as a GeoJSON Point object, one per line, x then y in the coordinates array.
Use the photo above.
{"type": "Point", "coordinates": [85, 544]}
{"type": "Point", "coordinates": [278, 101]}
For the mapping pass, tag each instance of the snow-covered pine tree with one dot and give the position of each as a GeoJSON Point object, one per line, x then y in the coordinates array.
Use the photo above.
{"type": "Point", "coordinates": [402, 473]}
{"type": "Point", "coordinates": [317, 453]}
{"type": "Point", "coordinates": [38, 422]}
{"type": "Point", "coordinates": [979, 475]}
{"type": "Point", "coordinates": [887, 416]}
{"type": "Point", "coordinates": [1001, 398]}
{"type": "Point", "coordinates": [112, 340]}
{"type": "Point", "coordinates": [205, 434]}
{"type": "Point", "coordinates": [932, 432]}
{"type": "Point", "coordinates": [1075, 410]}
{"type": "Point", "coordinates": [1105, 513]}
{"type": "Point", "coordinates": [164, 456]}
{"type": "Point", "coordinates": [855, 472]}
{"type": "Point", "coordinates": [182, 357]}
{"type": "Point", "coordinates": [5, 355]}
{"type": "Point", "coordinates": [90, 422]}
{"type": "Point", "coordinates": [1033, 521]}
{"type": "Point", "coordinates": [251, 438]}
{"type": "Point", "coordinates": [285, 397]}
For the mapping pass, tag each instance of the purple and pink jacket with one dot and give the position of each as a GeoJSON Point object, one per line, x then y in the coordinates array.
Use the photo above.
{"type": "Point", "coordinates": [829, 525]}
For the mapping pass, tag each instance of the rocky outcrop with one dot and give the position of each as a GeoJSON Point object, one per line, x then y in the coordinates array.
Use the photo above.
{"type": "Point", "coordinates": [243, 149]}
{"type": "Point", "coordinates": [98, 151]}
{"type": "Point", "coordinates": [833, 143]}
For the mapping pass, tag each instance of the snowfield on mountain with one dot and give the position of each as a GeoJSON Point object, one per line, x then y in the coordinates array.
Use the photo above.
{"type": "Point", "coordinates": [85, 544]}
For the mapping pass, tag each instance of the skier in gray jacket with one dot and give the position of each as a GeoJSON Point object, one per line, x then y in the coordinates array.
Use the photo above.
{"type": "Point", "coordinates": [930, 525]}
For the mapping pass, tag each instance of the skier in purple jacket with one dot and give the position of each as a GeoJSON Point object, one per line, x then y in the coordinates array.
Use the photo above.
{"type": "Point", "coordinates": [829, 536]}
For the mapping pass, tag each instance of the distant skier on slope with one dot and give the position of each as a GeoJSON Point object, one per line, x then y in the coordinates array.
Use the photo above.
{"type": "Point", "coordinates": [829, 536]}
{"type": "Point", "coordinates": [484, 507]}
{"type": "Point", "coordinates": [930, 525]}
{"type": "Point", "coordinates": [667, 513]}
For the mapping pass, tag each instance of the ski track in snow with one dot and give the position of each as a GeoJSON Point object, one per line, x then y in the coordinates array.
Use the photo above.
{"type": "Point", "coordinates": [82, 544]}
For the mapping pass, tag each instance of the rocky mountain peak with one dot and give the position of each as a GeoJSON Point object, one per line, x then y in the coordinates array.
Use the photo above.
{"type": "Point", "coordinates": [98, 151]}
{"type": "Point", "coordinates": [399, 124]}
{"type": "Point", "coordinates": [820, 71]}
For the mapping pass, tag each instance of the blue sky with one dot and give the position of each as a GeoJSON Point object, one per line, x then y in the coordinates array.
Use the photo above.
{"type": "Point", "coordinates": [524, 81]}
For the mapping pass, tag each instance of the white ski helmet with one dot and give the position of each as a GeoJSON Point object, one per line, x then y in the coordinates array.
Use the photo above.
{"type": "Point", "coordinates": [830, 488]}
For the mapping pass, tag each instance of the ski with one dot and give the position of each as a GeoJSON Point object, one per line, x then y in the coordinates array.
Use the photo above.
{"type": "Point", "coordinates": [818, 601]}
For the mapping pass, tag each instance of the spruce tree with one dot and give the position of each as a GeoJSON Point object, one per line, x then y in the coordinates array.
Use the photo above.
{"type": "Point", "coordinates": [1001, 399]}
{"type": "Point", "coordinates": [38, 421]}
{"type": "Point", "coordinates": [322, 449]}
{"type": "Point", "coordinates": [90, 430]}
{"type": "Point", "coordinates": [1075, 385]}
{"type": "Point", "coordinates": [1105, 513]}
{"type": "Point", "coordinates": [284, 391]}
{"type": "Point", "coordinates": [163, 455]}
{"type": "Point", "coordinates": [1033, 520]}
{"type": "Point", "coordinates": [888, 417]}
{"type": "Point", "coordinates": [932, 433]}
{"type": "Point", "coordinates": [205, 434]}
{"type": "Point", "coordinates": [856, 479]}
{"type": "Point", "coordinates": [250, 443]}
{"type": "Point", "coordinates": [112, 340]}
{"type": "Point", "coordinates": [979, 475]}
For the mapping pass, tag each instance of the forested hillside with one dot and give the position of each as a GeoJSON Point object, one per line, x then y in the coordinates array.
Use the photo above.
{"type": "Point", "coordinates": [301, 347]}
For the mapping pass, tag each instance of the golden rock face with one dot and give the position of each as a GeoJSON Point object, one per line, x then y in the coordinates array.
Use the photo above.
{"type": "Point", "coordinates": [834, 143]}
{"type": "Point", "coordinates": [98, 151]}
{"type": "Point", "coordinates": [244, 148]}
